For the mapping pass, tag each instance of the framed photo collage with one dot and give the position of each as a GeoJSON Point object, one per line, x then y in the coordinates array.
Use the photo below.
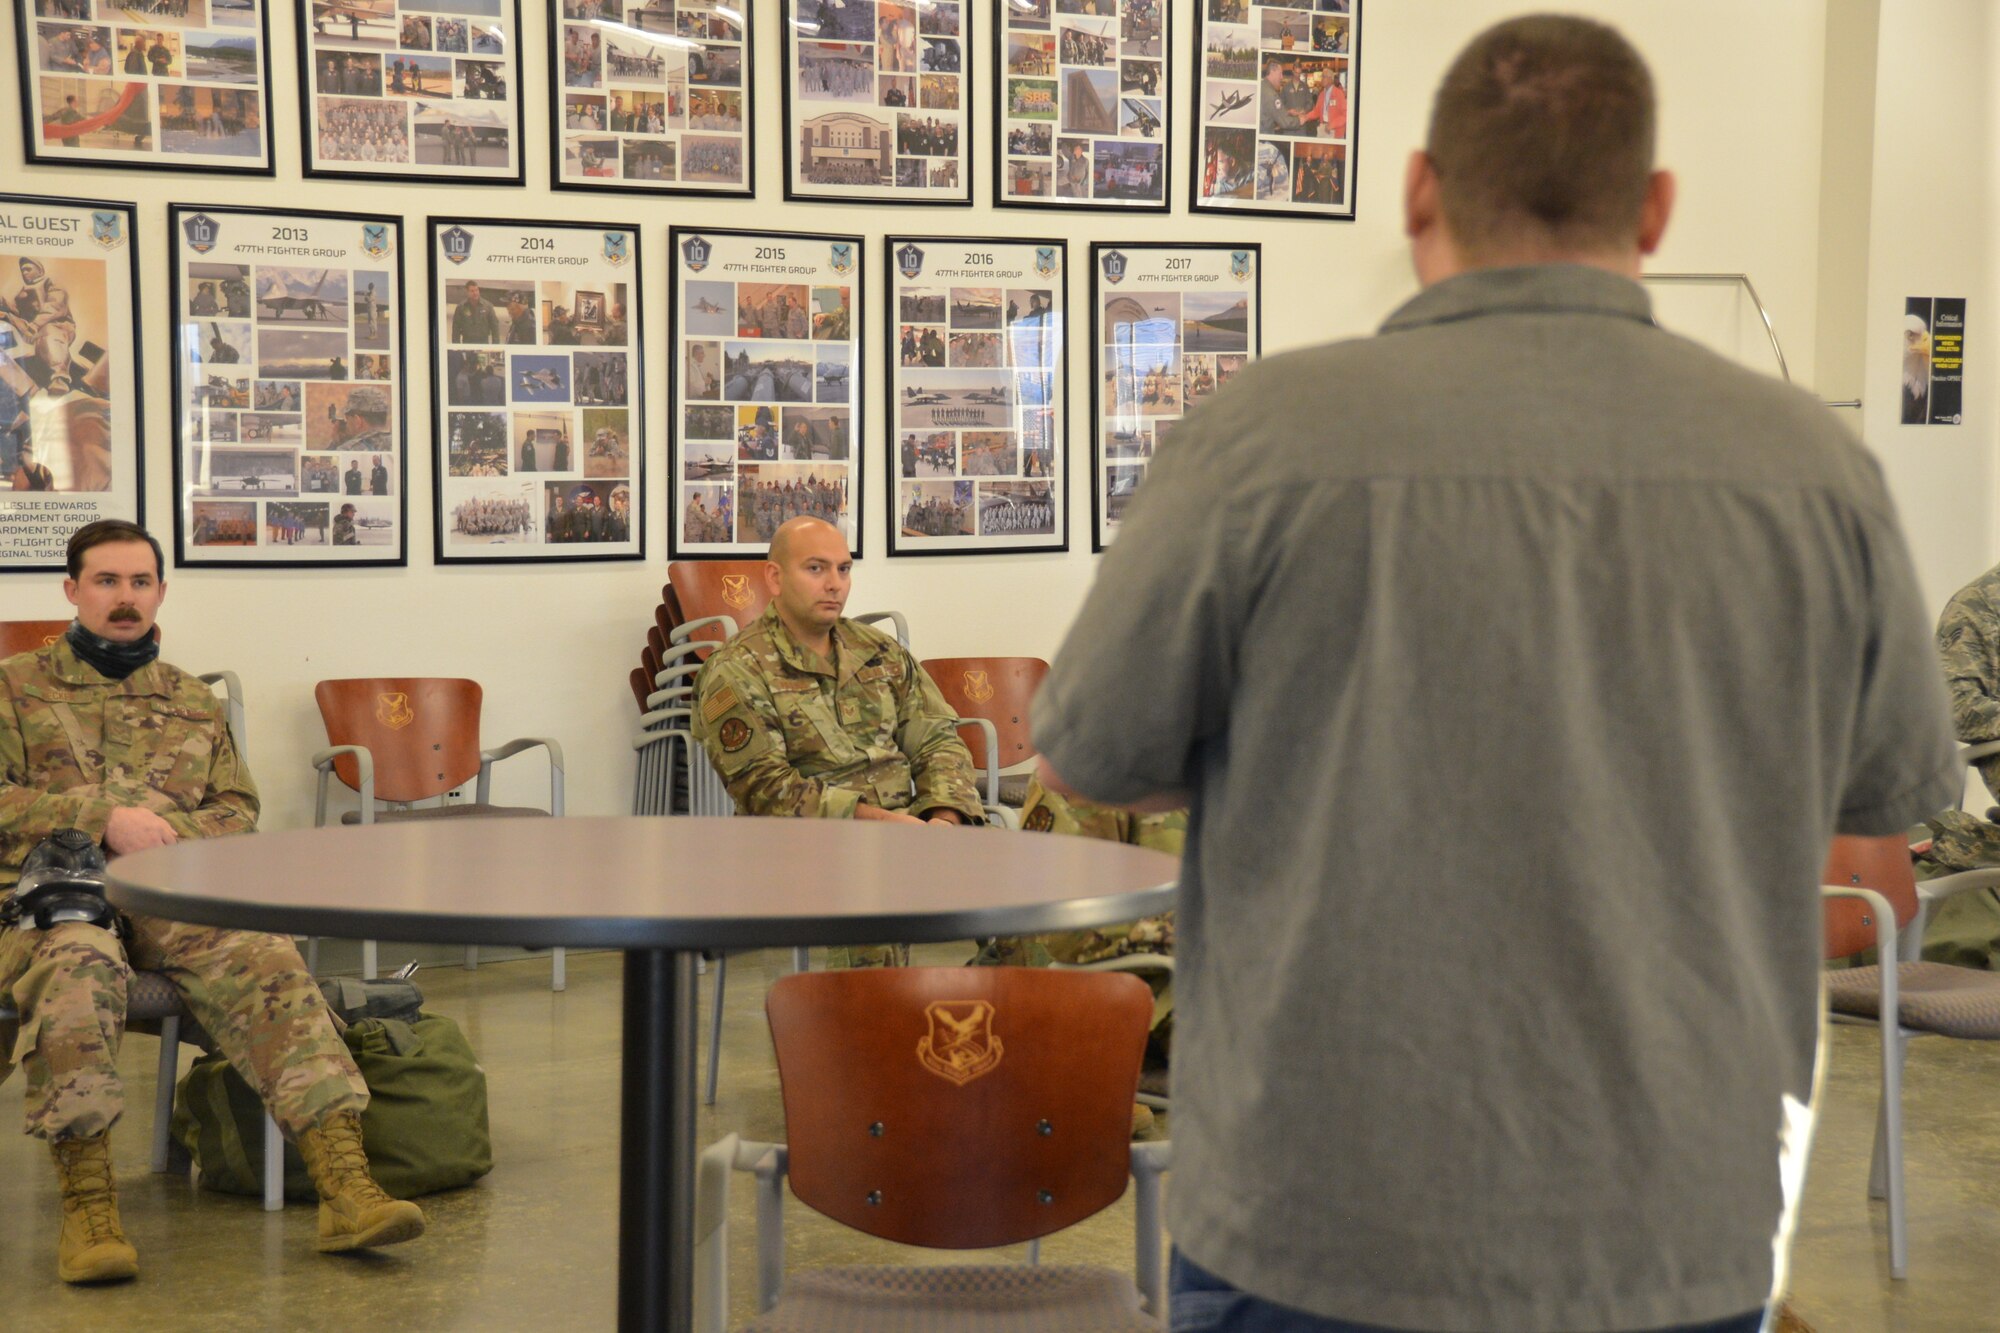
{"type": "Point", "coordinates": [287, 357]}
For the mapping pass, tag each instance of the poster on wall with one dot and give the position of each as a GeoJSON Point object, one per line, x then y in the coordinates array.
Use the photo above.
{"type": "Point", "coordinates": [287, 387]}
{"type": "Point", "coordinates": [1933, 361]}
{"type": "Point", "coordinates": [878, 101]}
{"type": "Point", "coordinates": [1276, 97]}
{"type": "Point", "coordinates": [69, 374]}
{"type": "Point", "coordinates": [401, 89]}
{"type": "Point", "coordinates": [978, 363]}
{"type": "Point", "coordinates": [182, 84]}
{"type": "Point", "coordinates": [536, 390]}
{"type": "Point", "coordinates": [1170, 325]}
{"type": "Point", "coordinates": [655, 96]}
{"type": "Point", "coordinates": [1081, 104]}
{"type": "Point", "coordinates": [765, 335]}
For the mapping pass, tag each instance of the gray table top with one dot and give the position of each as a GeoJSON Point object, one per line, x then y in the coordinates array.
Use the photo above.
{"type": "Point", "coordinates": [642, 883]}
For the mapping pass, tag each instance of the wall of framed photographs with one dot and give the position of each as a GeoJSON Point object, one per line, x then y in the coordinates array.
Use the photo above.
{"type": "Point", "coordinates": [552, 639]}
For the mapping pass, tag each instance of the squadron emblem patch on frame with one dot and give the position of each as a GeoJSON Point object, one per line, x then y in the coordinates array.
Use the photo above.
{"type": "Point", "coordinates": [734, 734]}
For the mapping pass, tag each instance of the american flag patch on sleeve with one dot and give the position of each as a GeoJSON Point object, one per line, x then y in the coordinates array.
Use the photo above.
{"type": "Point", "coordinates": [715, 705]}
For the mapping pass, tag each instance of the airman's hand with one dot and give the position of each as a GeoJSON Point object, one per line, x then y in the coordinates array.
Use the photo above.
{"type": "Point", "coordinates": [133, 828]}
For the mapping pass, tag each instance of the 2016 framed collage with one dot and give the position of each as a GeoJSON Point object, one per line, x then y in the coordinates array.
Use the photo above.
{"type": "Point", "coordinates": [287, 398]}
{"type": "Point", "coordinates": [411, 89]}
{"type": "Point", "coordinates": [179, 84]}
{"type": "Point", "coordinates": [537, 409]}
{"type": "Point", "coordinates": [1170, 325]}
{"type": "Point", "coordinates": [653, 96]}
{"type": "Point", "coordinates": [1276, 95]}
{"type": "Point", "coordinates": [767, 373]}
{"type": "Point", "coordinates": [978, 359]}
{"type": "Point", "coordinates": [69, 374]}
{"type": "Point", "coordinates": [878, 98]}
{"type": "Point", "coordinates": [1082, 104]}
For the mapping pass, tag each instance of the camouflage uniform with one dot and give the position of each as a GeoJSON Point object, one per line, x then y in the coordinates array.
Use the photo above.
{"type": "Point", "coordinates": [74, 746]}
{"type": "Point", "coordinates": [1046, 812]}
{"type": "Point", "coordinates": [791, 735]}
{"type": "Point", "coordinates": [1966, 929]}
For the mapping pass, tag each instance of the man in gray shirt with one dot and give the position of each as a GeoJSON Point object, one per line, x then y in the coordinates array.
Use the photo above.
{"type": "Point", "coordinates": [1522, 1064]}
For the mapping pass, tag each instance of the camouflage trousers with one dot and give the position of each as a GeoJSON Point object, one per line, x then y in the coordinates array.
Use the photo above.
{"type": "Point", "coordinates": [250, 992]}
{"type": "Point", "coordinates": [867, 955]}
{"type": "Point", "coordinates": [1149, 935]}
{"type": "Point", "coordinates": [1963, 930]}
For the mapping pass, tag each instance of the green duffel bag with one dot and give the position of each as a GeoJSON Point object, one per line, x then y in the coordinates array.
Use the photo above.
{"type": "Point", "coordinates": [425, 1127]}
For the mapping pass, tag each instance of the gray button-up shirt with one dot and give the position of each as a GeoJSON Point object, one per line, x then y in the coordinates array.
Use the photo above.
{"type": "Point", "coordinates": [1520, 661]}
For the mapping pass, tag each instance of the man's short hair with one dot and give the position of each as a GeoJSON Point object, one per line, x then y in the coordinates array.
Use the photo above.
{"type": "Point", "coordinates": [1543, 131]}
{"type": "Point", "coordinates": [105, 531]}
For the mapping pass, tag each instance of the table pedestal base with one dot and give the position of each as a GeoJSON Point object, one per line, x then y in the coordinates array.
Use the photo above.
{"type": "Point", "coordinates": [656, 1144]}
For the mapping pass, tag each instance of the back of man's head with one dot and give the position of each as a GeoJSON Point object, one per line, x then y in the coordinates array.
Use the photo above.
{"type": "Point", "coordinates": [1542, 138]}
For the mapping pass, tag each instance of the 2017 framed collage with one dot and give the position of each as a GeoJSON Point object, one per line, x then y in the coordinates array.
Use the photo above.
{"type": "Point", "coordinates": [653, 97]}
{"type": "Point", "coordinates": [287, 387]}
{"type": "Point", "coordinates": [978, 361]}
{"type": "Point", "coordinates": [537, 408]}
{"type": "Point", "coordinates": [176, 84]}
{"type": "Point", "coordinates": [70, 394]}
{"type": "Point", "coordinates": [1170, 325]}
{"type": "Point", "coordinates": [411, 89]}
{"type": "Point", "coordinates": [766, 422]}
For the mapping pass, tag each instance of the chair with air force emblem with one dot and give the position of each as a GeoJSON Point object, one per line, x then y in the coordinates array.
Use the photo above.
{"type": "Point", "coordinates": [152, 1004]}
{"type": "Point", "coordinates": [998, 689]}
{"type": "Point", "coordinates": [400, 740]}
{"type": "Point", "coordinates": [951, 1108]}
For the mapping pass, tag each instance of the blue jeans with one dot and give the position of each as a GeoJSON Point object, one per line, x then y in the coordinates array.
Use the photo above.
{"type": "Point", "coordinates": [1200, 1302]}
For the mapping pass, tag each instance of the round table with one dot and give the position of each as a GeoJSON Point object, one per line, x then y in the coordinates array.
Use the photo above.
{"type": "Point", "coordinates": [661, 890]}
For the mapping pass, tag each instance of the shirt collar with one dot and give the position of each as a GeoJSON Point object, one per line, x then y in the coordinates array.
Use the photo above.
{"type": "Point", "coordinates": [795, 657]}
{"type": "Point", "coordinates": [1531, 289]}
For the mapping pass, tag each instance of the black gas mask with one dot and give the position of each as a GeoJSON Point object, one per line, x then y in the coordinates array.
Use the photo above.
{"type": "Point", "coordinates": [62, 880]}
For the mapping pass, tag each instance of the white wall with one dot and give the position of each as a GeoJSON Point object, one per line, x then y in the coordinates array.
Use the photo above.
{"type": "Point", "coordinates": [1740, 88]}
{"type": "Point", "coordinates": [1931, 234]}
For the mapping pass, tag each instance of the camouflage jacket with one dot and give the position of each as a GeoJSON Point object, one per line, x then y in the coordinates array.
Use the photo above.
{"type": "Point", "coordinates": [1968, 642]}
{"type": "Point", "coordinates": [1046, 812]}
{"type": "Point", "coordinates": [792, 737]}
{"type": "Point", "coordinates": [75, 745]}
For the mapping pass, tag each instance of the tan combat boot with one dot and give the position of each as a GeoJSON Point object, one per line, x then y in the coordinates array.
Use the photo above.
{"type": "Point", "coordinates": [354, 1212]}
{"type": "Point", "coordinates": [93, 1246]}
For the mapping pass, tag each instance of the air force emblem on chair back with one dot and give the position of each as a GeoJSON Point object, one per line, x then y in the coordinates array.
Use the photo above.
{"type": "Point", "coordinates": [977, 687]}
{"type": "Point", "coordinates": [961, 1044]}
{"type": "Point", "coordinates": [393, 710]}
{"type": "Point", "coordinates": [736, 590]}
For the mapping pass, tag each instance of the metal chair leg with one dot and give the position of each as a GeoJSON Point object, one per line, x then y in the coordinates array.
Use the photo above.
{"type": "Point", "coordinates": [368, 960]}
{"type": "Point", "coordinates": [715, 1028]}
{"type": "Point", "coordinates": [558, 972]}
{"type": "Point", "coordinates": [471, 957]}
{"type": "Point", "coordinates": [274, 1165]}
{"type": "Point", "coordinates": [1893, 1043]}
{"type": "Point", "coordinates": [163, 1096]}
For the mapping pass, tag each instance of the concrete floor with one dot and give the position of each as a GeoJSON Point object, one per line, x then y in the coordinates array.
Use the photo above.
{"type": "Point", "coordinates": [535, 1243]}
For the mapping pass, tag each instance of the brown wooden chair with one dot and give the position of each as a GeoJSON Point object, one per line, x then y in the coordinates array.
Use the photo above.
{"type": "Point", "coordinates": [1874, 901]}
{"type": "Point", "coordinates": [401, 740]}
{"type": "Point", "coordinates": [953, 1108]}
{"type": "Point", "coordinates": [25, 636]}
{"type": "Point", "coordinates": [716, 597]}
{"type": "Point", "coordinates": [998, 689]}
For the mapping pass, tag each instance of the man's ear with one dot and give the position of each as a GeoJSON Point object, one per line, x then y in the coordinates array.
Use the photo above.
{"type": "Point", "coordinates": [1656, 211]}
{"type": "Point", "coordinates": [774, 577]}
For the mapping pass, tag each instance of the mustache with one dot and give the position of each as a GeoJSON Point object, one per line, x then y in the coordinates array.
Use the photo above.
{"type": "Point", "coordinates": [121, 614]}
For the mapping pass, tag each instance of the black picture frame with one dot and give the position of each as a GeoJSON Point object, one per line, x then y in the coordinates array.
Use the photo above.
{"type": "Point", "coordinates": [636, 450]}
{"type": "Point", "coordinates": [892, 321]}
{"type": "Point", "coordinates": [678, 548]}
{"type": "Point", "coordinates": [133, 457]}
{"type": "Point", "coordinates": [178, 215]}
{"type": "Point", "coordinates": [1202, 107]}
{"type": "Point", "coordinates": [620, 184]}
{"type": "Point", "coordinates": [999, 112]}
{"type": "Point", "coordinates": [134, 160]}
{"type": "Point", "coordinates": [1255, 331]}
{"type": "Point", "coordinates": [893, 195]}
{"type": "Point", "coordinates": [417, 172]}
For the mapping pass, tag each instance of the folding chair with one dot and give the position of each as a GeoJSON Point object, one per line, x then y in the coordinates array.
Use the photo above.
{"type": "Point", "coordinates": [398, 740]}
{"type": "Point", "coordinates": [953, 1108]}
{"type": "Point", "coordinates": [1873, 900]}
